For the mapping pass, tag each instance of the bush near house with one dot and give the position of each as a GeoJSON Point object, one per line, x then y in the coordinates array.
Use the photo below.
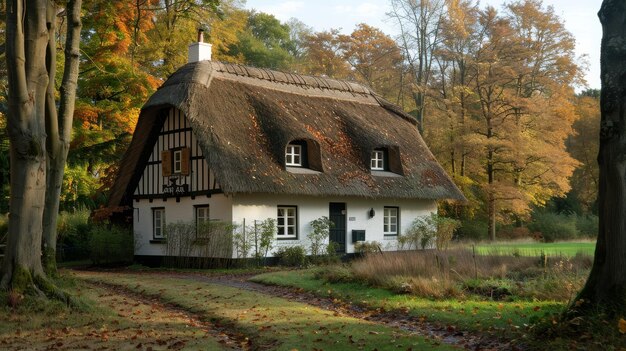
{"type": "Point", "coordinates": [319, 235]}
{"type": "Point", "coordinates": [110, 245]}
{"type": "Point", "coordinates": [73, 230]}
{"type": "Point", "coordinates": [291, 256]}
{"type": "Point", "coordinates": [427, 231]}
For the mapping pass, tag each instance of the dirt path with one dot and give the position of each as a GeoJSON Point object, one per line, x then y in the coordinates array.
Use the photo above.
{"type": "Point", "coordinates": [228, 339]}
{"type": "Point", "coordinates": [396, 319]}
{"type": "Point", "coordinates": [119, 320]}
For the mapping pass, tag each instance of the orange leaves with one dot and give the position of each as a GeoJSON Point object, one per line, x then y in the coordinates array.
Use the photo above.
{"type": "Point", "coordinates": [621, 326]}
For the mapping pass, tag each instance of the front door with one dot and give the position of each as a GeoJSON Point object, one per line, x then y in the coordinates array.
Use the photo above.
{"type": "Point", "coordinates": [337, 215]}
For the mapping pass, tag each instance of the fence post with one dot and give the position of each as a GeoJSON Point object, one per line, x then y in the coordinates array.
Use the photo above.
{"type": "Point", "coordinates": [256, 244]}
{"type": "Point", "coordinates": [474, 258]}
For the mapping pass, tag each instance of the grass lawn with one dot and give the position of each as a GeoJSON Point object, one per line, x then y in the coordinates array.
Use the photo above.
{"type": "Point", "coordinates": [105, 321]}
{"type": "Point", "coordinates": [566, 249]}
{"type": "Point", "coordinates": [270, 322]}
{"type": "Point", "coordinates": [511, 318]}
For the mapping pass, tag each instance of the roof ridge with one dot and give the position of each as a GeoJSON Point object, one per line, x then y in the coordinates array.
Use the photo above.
{"type": "Point", "coordinates": [279, 76]}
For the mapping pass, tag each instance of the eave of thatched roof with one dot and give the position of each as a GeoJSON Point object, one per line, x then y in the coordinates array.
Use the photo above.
{"type": "Point", "coordinates": [244, 117]}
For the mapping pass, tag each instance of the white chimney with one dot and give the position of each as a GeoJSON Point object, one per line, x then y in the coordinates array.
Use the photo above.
{"type": "Point", "coordinates": [199, 51]}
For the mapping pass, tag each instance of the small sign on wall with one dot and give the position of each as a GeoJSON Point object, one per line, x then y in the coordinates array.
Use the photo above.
{"type": "Point", "coordinates": [352, 219]}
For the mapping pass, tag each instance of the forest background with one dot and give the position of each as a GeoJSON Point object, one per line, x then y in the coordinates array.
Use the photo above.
{"type": "Point", "coordinates": [493, 91]}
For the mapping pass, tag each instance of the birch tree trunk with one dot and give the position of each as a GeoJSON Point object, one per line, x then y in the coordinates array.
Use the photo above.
{"type": "Point", "coordinates": [59, 129]}
{"type": "Point", "coordinates": [605, 289]}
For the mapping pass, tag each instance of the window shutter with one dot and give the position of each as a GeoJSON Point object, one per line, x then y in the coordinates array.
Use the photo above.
{"type": "Point", "coordinates": [184, 162]}
{"type": "Point", "coordinates": [166, 163]}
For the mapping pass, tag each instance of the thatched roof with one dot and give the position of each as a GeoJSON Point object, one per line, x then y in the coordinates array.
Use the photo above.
{"type": "Point", "coordinates": [244, 117]}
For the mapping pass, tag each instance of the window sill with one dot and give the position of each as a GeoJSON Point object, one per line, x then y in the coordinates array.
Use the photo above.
{"type": "Point", "coordinates": [386, 174]}
{"type": "Point", "coordinates": [293, 238]}
{"type": "Point", "coordinates": [390, 235]}
{"type": "Point", "coordinates": [301, 170]}
{"type": "Point", "coordinates": [158, 241]}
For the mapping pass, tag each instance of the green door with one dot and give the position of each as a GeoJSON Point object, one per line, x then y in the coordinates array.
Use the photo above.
{"type": "Point", "coordinates": [337, 215]}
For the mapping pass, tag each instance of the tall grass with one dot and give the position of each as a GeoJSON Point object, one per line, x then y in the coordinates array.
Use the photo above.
{"type": "Point", "coordinates": [456, 273]}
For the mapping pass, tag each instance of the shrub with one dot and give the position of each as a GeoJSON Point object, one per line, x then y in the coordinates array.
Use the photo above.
{"type": "Point", "coordinates": [243, 239]}
{"type": "Point", "coordinates": [214, 239]}
{"type": "Point", "coordinates": [445, 230]}
{"type": "Point", "coordinates": [291, 256]}
{"type": "Point", "coordinates": [553, 227]}
{"type": "Point", "coordinates": [417, 235]}
{"type": "Point", "coordinates": [266, 240]}
{"type": "Point", "coordinates": [335, 274]}
{"type": "Point", "coordinates": [319, 235]}
{"type": "Point", "coordinates": [330, 256]}
{"type": "Point", "coordinates": [587, 225]}
{"type": "Point", "coordinates": [179, 243]}
{"type": "Point", "coordinates": [73, 229]}
{"type": "Point", "coordinates": [367, 247]}
{"type": "Point", "coordinates": [110, 245]}
{"type": "Point", "coordinates": [474, 230]}
{"type": "Point", "coordinates": [425, 231]}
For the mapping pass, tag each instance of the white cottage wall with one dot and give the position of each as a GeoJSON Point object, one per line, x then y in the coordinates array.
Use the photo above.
{"type": "Point", "coordinates": [262, 206]}
{"type": "Point", "coordinates": [220, 208]}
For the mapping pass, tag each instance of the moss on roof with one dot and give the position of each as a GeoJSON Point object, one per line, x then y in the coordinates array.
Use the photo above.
{"type": "Point", "coordinates": [243, 118]}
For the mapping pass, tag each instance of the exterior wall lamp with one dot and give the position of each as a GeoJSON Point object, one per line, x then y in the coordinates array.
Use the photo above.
{"type": "Point", "coordinates": [372, 213]}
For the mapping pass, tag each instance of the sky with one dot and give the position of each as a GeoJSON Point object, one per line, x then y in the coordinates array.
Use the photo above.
{"type": "Point", "coordinates": [580, 17]}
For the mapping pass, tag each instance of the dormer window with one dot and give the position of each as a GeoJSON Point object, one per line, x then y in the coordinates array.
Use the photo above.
{"type": "Point", "coordinates": [385, 161]}
{"type": "Point", "coordinates": [294, 155]}
{"type": "Point", "coordinates": [302, 156]}
{"type": "Point", "coordinates": [378, 160]}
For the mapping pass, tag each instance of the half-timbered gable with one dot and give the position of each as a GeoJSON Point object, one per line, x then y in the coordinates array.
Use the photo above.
{"type": "Point", "coordinates": [177, 166]}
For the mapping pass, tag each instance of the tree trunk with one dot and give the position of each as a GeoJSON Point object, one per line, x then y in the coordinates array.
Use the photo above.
{"type": "Point", "coordinates": [27, 38]}
{"type": "Point", "coordinates": [491, 201]}
{"type": "Point", "coordinates": [419, 111]}
{"type": "Point", "coordinates": [605, 290]}
{"type": "Point", "coordinates": [59, 128]}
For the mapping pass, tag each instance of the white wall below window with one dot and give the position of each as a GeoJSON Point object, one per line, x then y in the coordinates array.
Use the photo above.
{"type": "Point", "coordinates": [261, 206]}
{"type": "Point", "coordinates": [220, 208]}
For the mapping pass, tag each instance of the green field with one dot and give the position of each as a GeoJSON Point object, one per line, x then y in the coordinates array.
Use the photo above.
{"type": "Point", "coordinates": [536, 249]}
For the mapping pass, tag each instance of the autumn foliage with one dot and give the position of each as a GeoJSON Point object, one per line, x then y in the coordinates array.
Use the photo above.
{"type": "Point", "coordinates": [492, 89]}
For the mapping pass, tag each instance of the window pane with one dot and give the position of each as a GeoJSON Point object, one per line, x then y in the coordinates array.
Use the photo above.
{"type": "Point", "coordinates": [286, 221]}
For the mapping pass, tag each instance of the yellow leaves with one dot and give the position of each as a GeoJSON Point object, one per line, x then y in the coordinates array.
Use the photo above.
{"type": "Point", "coordinates": [621, 326]}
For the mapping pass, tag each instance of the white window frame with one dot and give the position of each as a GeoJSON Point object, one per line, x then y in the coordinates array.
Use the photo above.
{"type": "Point", "coordinates": [200, 220]}
{"type": "Point", "coordinates": [391, 221]}
{"type": "Point", "coordinates": [206, 216]}
{"type": "Point", "coordinates": [293, 155]}
{"type": "Point", "coordinates": [377, 162]}
{"type": "Point", "coordinates": [158, 223]}
{"type": "Point", "coordinates": [177, 158]}
{"type": "Point", "coordinates": [282, 229]}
